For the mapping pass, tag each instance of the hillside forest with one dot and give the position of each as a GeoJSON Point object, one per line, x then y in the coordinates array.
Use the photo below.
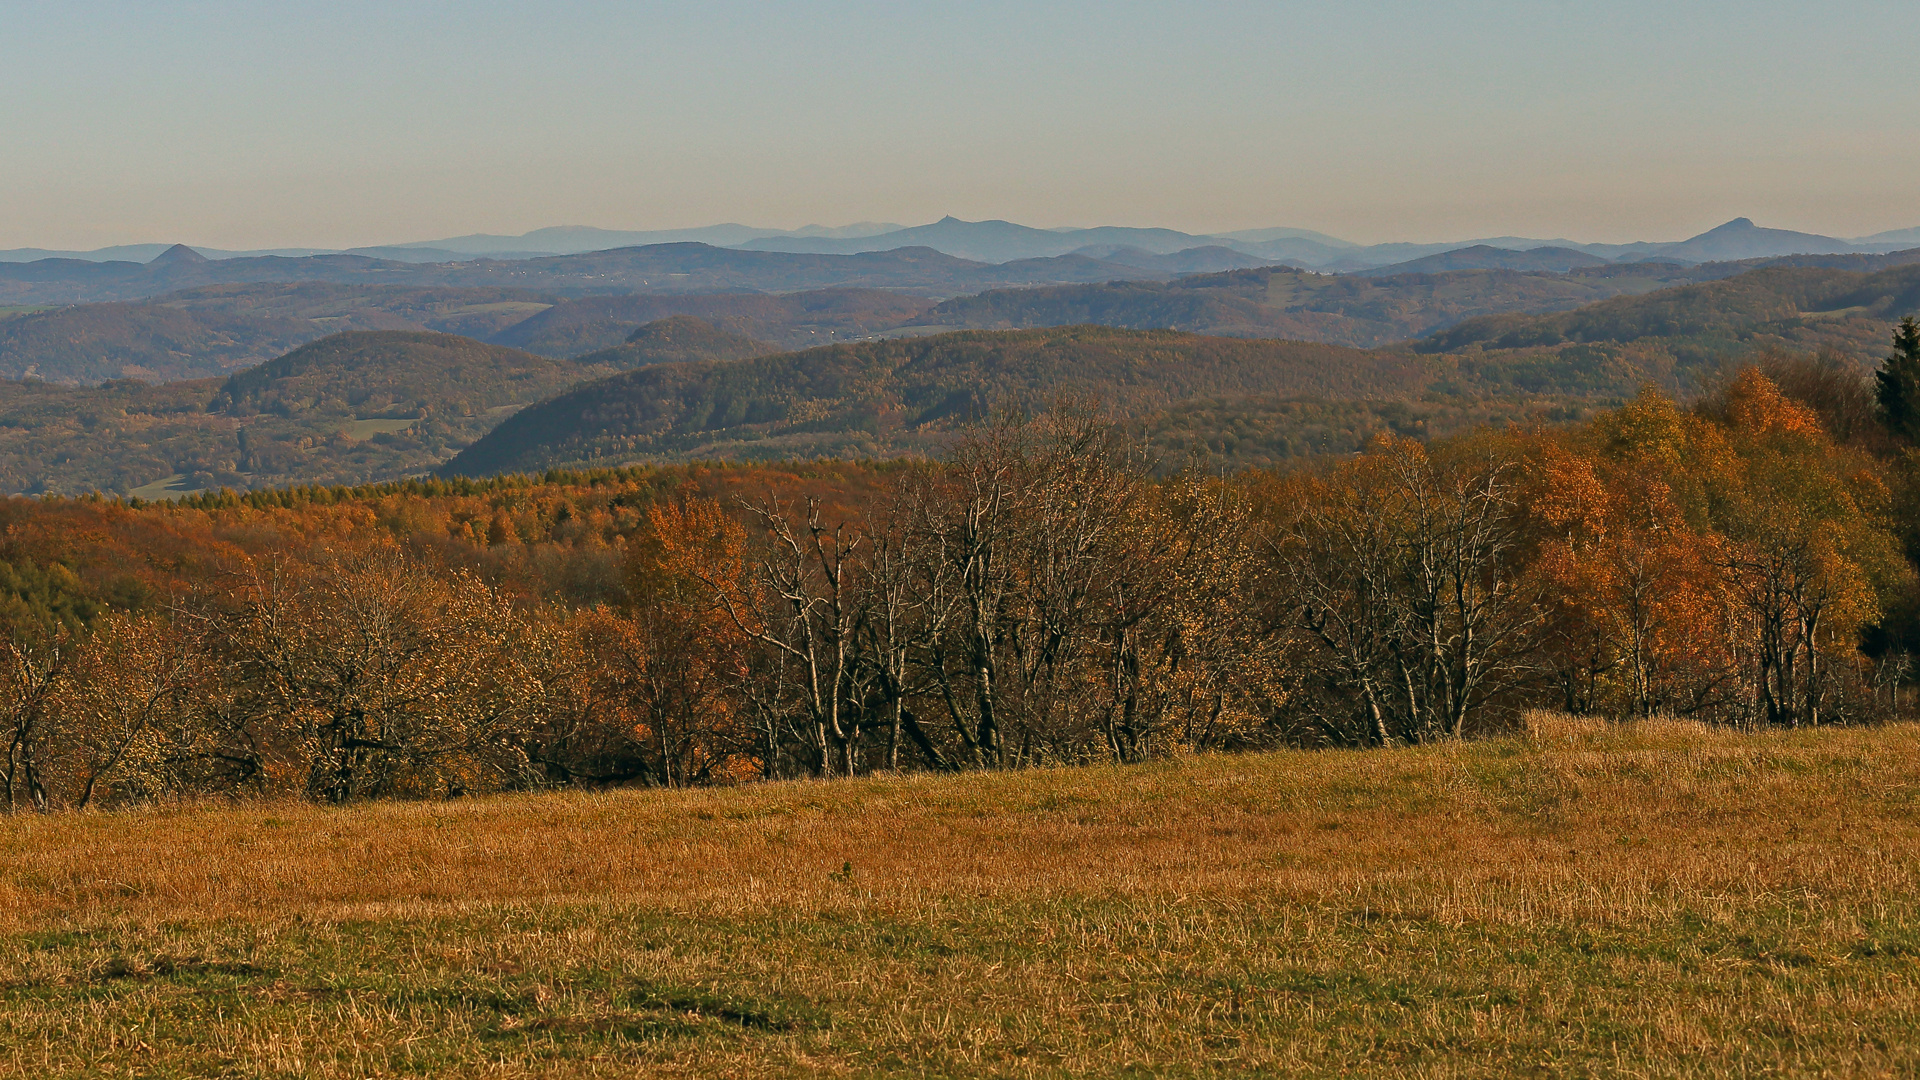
{"type": "Point", "coordinates": [1043, 591]}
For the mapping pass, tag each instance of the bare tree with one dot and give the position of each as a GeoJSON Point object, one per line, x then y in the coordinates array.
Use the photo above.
{"type": "Point", "coordinates": [808, 579]}
{"type": "Point", "coordinates": [1405, 574]}
{"type": "Point", "coordinates": [1017, 544]}
{"type": "Point", "coordinates": [29, 676]}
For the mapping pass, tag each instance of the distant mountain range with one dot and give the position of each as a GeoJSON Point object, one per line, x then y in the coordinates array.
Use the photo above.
{"type": "Point", "coordinates": [182, 316]}
{"type": "Point", "coordinates": [999, 242]}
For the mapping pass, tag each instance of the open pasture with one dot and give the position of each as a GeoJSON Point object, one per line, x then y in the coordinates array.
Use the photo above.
{"type": "Point", "coordinates": [1647, 900]}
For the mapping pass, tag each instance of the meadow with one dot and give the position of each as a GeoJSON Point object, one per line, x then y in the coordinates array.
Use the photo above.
{"type": "Point", "coordinates": [1648, 899]}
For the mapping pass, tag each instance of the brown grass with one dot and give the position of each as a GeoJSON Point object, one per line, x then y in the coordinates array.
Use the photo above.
{"type": "Point", "coordinates": [1656, 899]}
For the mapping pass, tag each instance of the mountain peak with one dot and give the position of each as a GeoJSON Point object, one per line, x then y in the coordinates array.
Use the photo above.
{"type": "Point", "coordinates": [1742, 239]}
{"type": "Point", "coordinates": [178, 255]}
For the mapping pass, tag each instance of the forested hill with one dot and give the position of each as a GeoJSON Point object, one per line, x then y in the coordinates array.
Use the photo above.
{"type": "Point", "coordinates": [677, 339]}
{"type": "Point", "coordinates": [1807, 307]}
{"type": "Point", "coordinates": [415, 373]}
{"type": "Point", "coordinates": [881, 398]}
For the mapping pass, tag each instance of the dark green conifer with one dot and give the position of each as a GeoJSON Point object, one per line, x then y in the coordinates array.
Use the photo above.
{"type": "Point", "coordinates": [1899, 382]}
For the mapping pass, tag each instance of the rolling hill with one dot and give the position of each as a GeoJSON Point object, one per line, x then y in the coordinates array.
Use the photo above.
{"type": "Point", "coordinates": [1245, 401]}
{"type": "Point", "coordinates": [794, 320]}
{"type": "Point", "coordinates": [1210, 259]}
{"type": "Point", "coordinates": [1807, 307]}
{"type": "Point", "coordinates": [391, 371]}
{"type": "Point", "coordinates": [476, 312]}
{"type": "Point", "coordinates": [378, 404]}
{"type": "Point", "coordinates": [215, 329]}
{"type": "Point", "coordinates": [1241, 402]}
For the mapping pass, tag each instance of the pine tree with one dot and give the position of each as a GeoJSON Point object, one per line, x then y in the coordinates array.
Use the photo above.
{"type": "Point", "coordinates": [1899, 382]}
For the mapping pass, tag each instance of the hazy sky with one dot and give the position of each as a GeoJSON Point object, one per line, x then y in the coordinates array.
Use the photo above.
{"type": "Point", "coordinates": [330, 124]}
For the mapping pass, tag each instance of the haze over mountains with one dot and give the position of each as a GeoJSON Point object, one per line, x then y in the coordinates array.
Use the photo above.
{"type": "Point", "coordinates": [607, 380]}
{"type": "Point", "coordinates": [576, 346]}
{"type": "Point", "coordinates": [996, 242]}
{"type": "Point", "coordinates": [83, 323]}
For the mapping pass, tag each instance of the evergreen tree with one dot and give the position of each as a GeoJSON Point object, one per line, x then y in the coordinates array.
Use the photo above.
{"type": "Point", "coordinates": [1899, 382]}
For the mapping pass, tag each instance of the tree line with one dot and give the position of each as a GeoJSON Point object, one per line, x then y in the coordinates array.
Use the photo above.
{"type": "Point", "coordinates": [1044, 594]}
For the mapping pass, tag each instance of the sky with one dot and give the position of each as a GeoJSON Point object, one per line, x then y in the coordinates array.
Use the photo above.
{"type": "Point", "coordinates": [264, 124]}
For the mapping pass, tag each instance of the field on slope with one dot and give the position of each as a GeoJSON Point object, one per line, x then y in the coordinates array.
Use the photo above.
{"type": "Point", "coordinates": [1648, 900]}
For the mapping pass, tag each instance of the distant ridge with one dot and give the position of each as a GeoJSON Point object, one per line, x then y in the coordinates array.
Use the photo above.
{"type": "Point", "coordinates": [398, 373]}
{"type": "Point", "coordinates": [1896, 238]}
{"type": "Point", "coordinates": [1484, 257]}
{"type": "Point", "coordinates": [658, 268]}
{"type": "Point", "coordinates": [991, 241]}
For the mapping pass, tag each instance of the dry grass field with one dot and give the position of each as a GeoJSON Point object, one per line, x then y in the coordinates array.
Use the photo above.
{"type": "Point", "coordinates": [1651, 900]}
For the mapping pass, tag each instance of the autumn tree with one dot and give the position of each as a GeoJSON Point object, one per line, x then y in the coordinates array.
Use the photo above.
{"type": "Point", "coordinates": [128, 718]}
{"type": "Point", "coordinates": [893, 628]}
{"type": "Point", "coordinates": [809, 581]}
{"type": "Point", "coordinates": [1192, 659]}
{"type": "Point", "coordinates": [665, 666]}
{"type": "Point", "coordinates": [368, 674]}
{"type": "Point", "coordinates": [1626, 564]}
{"type": "Point", "coordinates": [1808, 554]}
